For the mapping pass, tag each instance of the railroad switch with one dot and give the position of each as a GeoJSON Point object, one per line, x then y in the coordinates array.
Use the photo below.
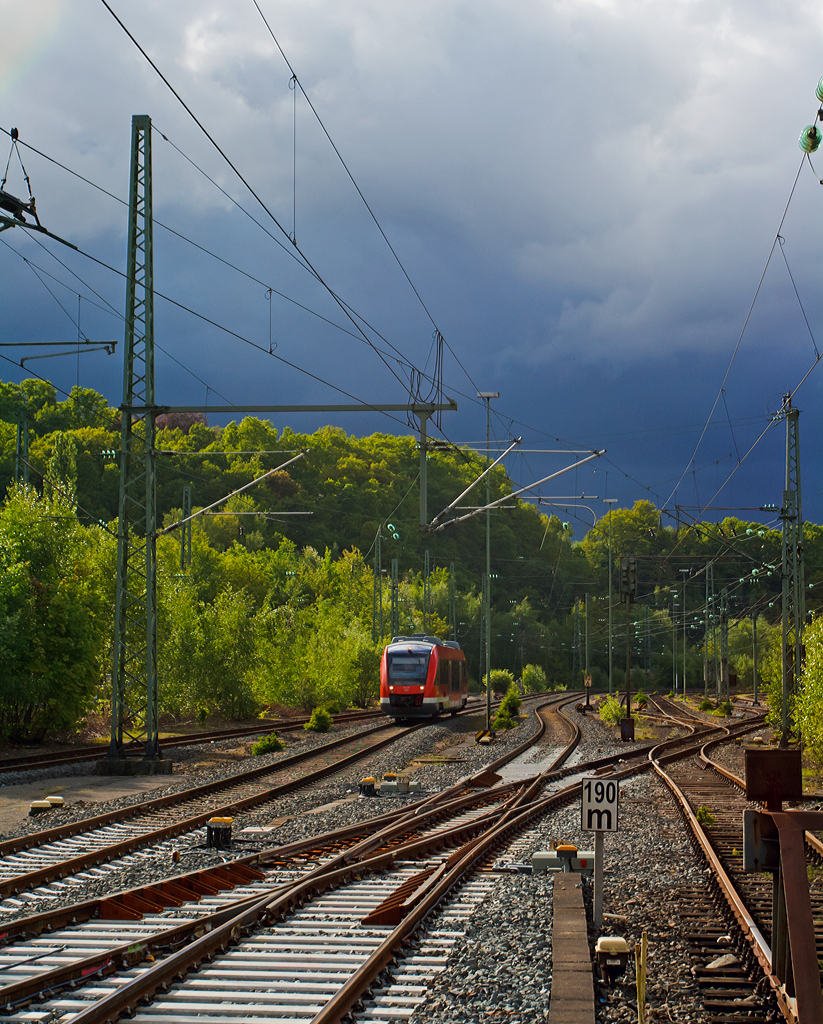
{"type": "Point", "coordinates": [612, 954]}
{"type": "Point", "coordinates": [218, 833]}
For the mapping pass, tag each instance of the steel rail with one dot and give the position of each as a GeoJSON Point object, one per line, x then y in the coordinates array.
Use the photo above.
{"type": "Point", "coordinates": [755, 938]}
{"type": "Point", "coordinates": [337, 871]}
{"type": "Point", "coordinates": [393, 826]}
{"type": "Point", "coordinates": [20, 883]}
{"type": "Point", "coordinates": [98, 752]}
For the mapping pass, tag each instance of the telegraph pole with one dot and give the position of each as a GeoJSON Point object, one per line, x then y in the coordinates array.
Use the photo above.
{"type": "Point", "coordinates": [134, 668]}
{"type": "Point", "coordinates": [610, 502]}
{"type": "Point", "coordinates": [724, 643]}
{"type": "Point", "coordinates": [487, 396]}
{"type": "Point", "coordinates": [687, 571]}
{"type": "Point", "coordinates": [628, 594]}
{"type": "Point", "coordinates": [793, 596]}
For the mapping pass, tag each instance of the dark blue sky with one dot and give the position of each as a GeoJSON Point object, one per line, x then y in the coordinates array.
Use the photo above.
{"type": "Point", "coordinates": [584, 194]}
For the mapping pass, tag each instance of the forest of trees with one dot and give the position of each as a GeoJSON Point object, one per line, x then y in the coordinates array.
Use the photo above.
{"type": "Point", "coordinates": [277, 608]}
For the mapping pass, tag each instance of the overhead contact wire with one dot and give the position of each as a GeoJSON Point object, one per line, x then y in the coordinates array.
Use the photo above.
{"type": "Point", "coordinates": [742, 332]}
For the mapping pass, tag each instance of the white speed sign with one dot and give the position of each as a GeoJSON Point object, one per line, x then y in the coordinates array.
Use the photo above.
{"type": "Point", "coordinates": [598, 808]}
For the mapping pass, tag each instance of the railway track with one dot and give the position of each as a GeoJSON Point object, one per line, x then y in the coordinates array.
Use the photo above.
{"type": "Point", "coordinates": [274, 871]}
{"type": "Point", "coordinates": [98, 752]}
{"type": "Point", "coordinates": [31, 861]}
{"type": "Point", "coordinates": [735, 933]}
{"type": "Point", "coordinates": [357, 907]}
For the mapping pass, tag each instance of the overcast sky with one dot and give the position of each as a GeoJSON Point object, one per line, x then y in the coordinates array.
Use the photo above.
{"type": "Point", "coordinates": [584, 193]}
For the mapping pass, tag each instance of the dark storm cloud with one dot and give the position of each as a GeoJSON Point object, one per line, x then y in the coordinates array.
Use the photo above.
{"type": "Point", "coordinates": [585, 194]}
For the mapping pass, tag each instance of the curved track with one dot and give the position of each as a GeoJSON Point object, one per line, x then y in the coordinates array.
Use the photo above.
{"type": "Point", "coordinates": [751, 982]}
{"type": "Point", "coordinates": [361, 899]}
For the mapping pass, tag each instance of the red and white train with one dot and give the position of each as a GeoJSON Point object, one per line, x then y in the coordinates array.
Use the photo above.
{"type": "Point", "coordinates": [422, 676]}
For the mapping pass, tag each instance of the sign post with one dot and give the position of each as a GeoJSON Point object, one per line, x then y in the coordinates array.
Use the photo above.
{"type": "Point", "coordinates": [598, 814]}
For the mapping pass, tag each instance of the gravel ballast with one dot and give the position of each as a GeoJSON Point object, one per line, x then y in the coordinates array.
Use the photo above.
{"type": "Point", "coordinates": [501, 969]}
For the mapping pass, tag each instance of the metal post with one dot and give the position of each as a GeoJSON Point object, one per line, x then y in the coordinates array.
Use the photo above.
{"type": "Point", "coordinates": [185, 529]}
{"type": "Point", "coordinates": [724, 643]}
{"type": "Point", "coordinates": [377, 595]}
{"type": "Point", "coordinates": [793, 595]}
{"type": "Point", "coordinates": [715, 650]}
{"type": "Point", "coordinates": [675, 680]}
{"type": "Point", "coordinates": [684, 632]}
{"type": "Point", "coordinates": [586, 674]}
{"type": "Point", "coordinates": [485, 641]}
{"type": "Point", "coordinates": [598, 880]}
{"type": "Point", "coordinates": [610, 502]}
{"type": "Point", "coordinates": [706, 641]}
{"type": "Point", "coordinates": [424, 484]}
{"type": "Point", "coordinates": [21, 462]}
{"type": "Point", "coordinates": [426, 590]}
{"type": "Point", "coordinates": [134, 668]}
{"type": "Point", "coordinates": [395, 604]}
{"type": "Point", "coordinates": [628, 665]}
{"type": "Point", "coordinates": [648, 644]}
{"type": "Point", "coordinates": [452, 603]}
{"type": "Point", "coordinates": [754, 654]}
{"type": "Point", "coordinates": [487, 396]}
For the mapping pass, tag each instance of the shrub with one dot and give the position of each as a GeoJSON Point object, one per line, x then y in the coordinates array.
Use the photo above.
{"type": "Point", "coordinates": [502, 721]}
{"type": "Point", "coordinates": [534, 679]}
{"type": "Point", "coordinates": [704, 815]}
{"type": "Point", "coordinates": [501, 680]}
{"type": "Point", "coordinates": [705, 705]}
{"type": "Point", "coordinates": [267, 744]}
{"type": "Point", "coordinates": [320, 721]}
{"type": "Point", "coordinates": [641, 700]}
{"type": "Point", "coordinates": [511, 703]}
{"type": "Point", "coordinates": [611, 711]}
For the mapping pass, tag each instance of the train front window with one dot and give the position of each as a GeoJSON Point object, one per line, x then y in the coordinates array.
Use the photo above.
{"type": "Point", "coordinates": [408, 668]}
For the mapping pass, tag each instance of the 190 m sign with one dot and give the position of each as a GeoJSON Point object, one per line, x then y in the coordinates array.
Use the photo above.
{"type": "Point", "coordinates": [598, 808]}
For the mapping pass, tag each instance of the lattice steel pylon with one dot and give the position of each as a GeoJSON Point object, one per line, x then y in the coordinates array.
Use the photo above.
{"type": "Point", "coordinates": [134, 668]}
{"type": "Point", "coordinates": [793, 596]}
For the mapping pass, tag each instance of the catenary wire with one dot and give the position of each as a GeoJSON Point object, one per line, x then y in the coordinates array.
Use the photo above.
{"type": "Point", "coordinates": [742, 332]}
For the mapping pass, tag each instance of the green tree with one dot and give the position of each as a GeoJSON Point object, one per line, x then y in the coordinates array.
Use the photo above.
{"type": "Point", "coordinates": [809, 705]}
{"type": "Point", "coordinates": [54, 616]}
{"type": "Point", "coordinates": [534, 679]}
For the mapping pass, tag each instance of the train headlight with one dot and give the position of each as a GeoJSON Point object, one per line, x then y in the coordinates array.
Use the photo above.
{"type": "Point", "coordinates": [391, 689]}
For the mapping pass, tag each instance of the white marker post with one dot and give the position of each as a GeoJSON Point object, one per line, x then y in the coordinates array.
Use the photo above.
{"type": "Point", "coordinates": [598, 814]}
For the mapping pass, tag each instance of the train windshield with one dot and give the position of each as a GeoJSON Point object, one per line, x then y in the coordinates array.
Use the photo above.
{"type": "Point", "coordinates": [408, 668]}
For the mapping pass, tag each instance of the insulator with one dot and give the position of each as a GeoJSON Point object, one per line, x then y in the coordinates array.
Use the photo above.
{"type": "Point", "coordinates": [819, 90]}
{"type": "Point", "coordinates": [809, 139]}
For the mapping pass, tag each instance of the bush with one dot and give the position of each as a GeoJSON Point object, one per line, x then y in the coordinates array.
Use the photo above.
{"type": "Point", "coordinates": [705, 705]}
{"type": "Point", "coordinates": [640, 699]}
{"type": "Point", "coordinates": [320, 721]}
{"type": "Point", "coordinates": [511, 703]}
{"type": "Point", "coordinates": [704, 815]}
{"type": "Point", "coordinates": [501, 680]}
{"type": "Point", "coordinates": [267, 744]}
{"type": "Point", "coordinates": [611, 711]}
{"type": "Point", "coordinates": [502, 721]}
{"type": "Point", "coordinates": [534, 679]}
